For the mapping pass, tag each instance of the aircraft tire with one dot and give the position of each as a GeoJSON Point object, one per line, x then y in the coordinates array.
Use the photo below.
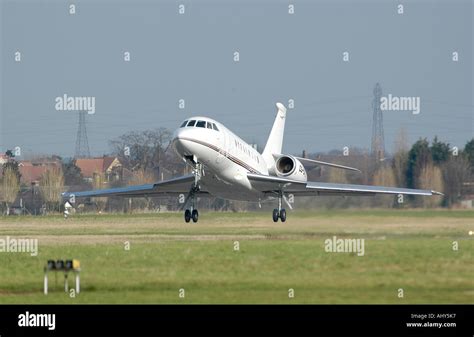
{"type": "Point", "coordinates": [195, 215]}
{"type": "Point", "coordinates": [187, 215]}
{"type": "Point", "coordinates": [275, 215]}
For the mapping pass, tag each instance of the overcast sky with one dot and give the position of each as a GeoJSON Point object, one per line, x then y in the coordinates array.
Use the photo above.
{"type": "Point", "coordinates": [190, 56]}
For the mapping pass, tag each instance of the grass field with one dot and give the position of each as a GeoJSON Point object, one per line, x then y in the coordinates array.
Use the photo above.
{"type": "Point", "coordinates": [412, 250]}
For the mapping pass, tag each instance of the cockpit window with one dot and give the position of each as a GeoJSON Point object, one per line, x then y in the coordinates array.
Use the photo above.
{"type": "Point", "coordinates": [209, 125]}
{"type": "Point", "coordinates": [184, 124]}
{"type": "Point", "coordinates": [215, 127]}
{"type": "Point", "coordinates": [191, 123]}
{"type": "Point", "coordinates": [201, 124]}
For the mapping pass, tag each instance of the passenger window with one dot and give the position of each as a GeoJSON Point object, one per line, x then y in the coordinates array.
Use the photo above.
{"type": "Point", "coordinates": [209, 125]}
{"type": "Point", "coordinates": [215, 127]}
{"type": "Point", "coordinates": [201, 124]}
{"type": "Point", "coordinates": [191, 123]}
{"type": "Point", "coordinates": [184, 124]}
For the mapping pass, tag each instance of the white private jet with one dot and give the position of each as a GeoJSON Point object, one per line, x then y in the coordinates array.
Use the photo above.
{"type": "Point", "coordinates": [225, 166]}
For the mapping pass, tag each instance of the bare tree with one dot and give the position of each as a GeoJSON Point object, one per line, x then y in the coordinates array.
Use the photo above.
{"type": "Point", "coordinates": [51, 185]}
{"type": "Point", "coordinates": [142, 149]}
{"type": "Point", "coordinates": [400, 158]}
{"type": "Point", "coordinates": [10, 187]}
{"type": "Point", "coordinates": [431, 178]}
{"type": "Point", "coordinates": [455, 172]}
{"type": "Point", "coordinates": [337, 176]}
{"type": "Point", "coordinates": [98, 182]}
{"type": "Point", "coordinates": [140, 177]}
{"type": "Point", "coordinates": [384, 176]}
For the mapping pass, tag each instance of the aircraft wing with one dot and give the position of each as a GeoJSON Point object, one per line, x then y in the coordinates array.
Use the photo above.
{"type": "Point", "coordinates": [163, 188]}
{"type": "Point", "coordinates": [271, 185]}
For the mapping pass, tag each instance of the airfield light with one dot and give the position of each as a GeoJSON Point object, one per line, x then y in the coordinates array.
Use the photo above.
{"type": "Point", "coordinates": [76, 264]}
{"type": "Point", "coordinates": [59, 264]}
{"type": "Point", "coordinates": [68, 264]}
{"type": "Point", "coordinates": [64, 266]}
{"type": "Point", "coordinates": [51, 265]}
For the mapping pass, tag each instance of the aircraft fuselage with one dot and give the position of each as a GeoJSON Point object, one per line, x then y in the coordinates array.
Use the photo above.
{"type": "Point", "coordinates": [226, 158]}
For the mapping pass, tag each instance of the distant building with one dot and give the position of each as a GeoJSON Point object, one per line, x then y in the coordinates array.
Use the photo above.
{"type": "Point", "coordinates": [3, 158]}
{"type": "Point", "coordinates": [468, 194]}
{"type": "Point", "coordinates": [32, 170]}
{"type": "Point", "coordinates": [468, 203]}
{"type": "Point", "coordinates": [110, 167]}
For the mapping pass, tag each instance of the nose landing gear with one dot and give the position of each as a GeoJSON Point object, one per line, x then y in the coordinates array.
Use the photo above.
{"type": "Point", "coordinates": [193, 213]}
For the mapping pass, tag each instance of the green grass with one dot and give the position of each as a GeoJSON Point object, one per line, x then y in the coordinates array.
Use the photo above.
{"type": "Point", "coordinates": [411, 250]}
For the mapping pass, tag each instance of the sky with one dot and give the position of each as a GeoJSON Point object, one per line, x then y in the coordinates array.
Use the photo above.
{"type": "Point", "coordinates": [191, 56]}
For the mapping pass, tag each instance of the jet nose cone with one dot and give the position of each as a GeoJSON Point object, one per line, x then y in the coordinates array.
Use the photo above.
{"type": "Point", "coordinates": [180, 134]}
{"type": "Point", "coordinates": [175, 135]}
{"type": "Point", "coordinates": [178, 140]}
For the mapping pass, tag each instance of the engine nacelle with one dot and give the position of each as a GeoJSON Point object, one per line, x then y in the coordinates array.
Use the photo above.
{"type": "Point", "coordinates": [291, 168]}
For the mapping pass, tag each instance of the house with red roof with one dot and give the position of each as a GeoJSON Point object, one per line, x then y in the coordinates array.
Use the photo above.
{"type": "Point", "coordinates": [32, 170]}
{"type": "Point", "coordinates": [110, 167]}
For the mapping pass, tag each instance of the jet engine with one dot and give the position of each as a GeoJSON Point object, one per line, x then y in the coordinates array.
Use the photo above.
{"type": "Point", "coordinates": [290, 167]}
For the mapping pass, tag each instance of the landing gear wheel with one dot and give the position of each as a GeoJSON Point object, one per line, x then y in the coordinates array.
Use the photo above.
{"type": "Point", "coordinates": [195, 215]}
{"type": "Point", "coordinates": [275, 215]}
{"type": "Point", "coordinates": [283, 215]}
{"type": "Point", "coordinates": [187, 215]}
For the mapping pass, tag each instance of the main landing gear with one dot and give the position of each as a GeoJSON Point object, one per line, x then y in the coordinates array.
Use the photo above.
{"type": "Point", "coordinates": [188, 215]}
{"type": "Point", "coordinates": [279, 213]}
{"type": "Point", "coordinates": [192, 212]}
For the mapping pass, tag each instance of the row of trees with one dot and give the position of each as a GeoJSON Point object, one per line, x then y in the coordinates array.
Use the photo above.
{"type": "Point", "coordinates": [50, 188]}
{"type": "Point", "coordinates": [438, 166]}
{"type": "Point", "coordinates": [434, 166]}
{"type": "Point", "coordinates": [143, 153]}
{"type": "Point", "coordinates": [425, 165]}
{"type": "Point", "coordinates": [10, 186]}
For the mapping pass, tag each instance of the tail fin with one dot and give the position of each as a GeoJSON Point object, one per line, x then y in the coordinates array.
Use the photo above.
{"type": "Point", "coordinates": [275, 139]}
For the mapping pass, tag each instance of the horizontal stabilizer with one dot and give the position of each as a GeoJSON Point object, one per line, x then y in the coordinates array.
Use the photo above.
{"type": "Point", "coordinates": [323, 163]}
